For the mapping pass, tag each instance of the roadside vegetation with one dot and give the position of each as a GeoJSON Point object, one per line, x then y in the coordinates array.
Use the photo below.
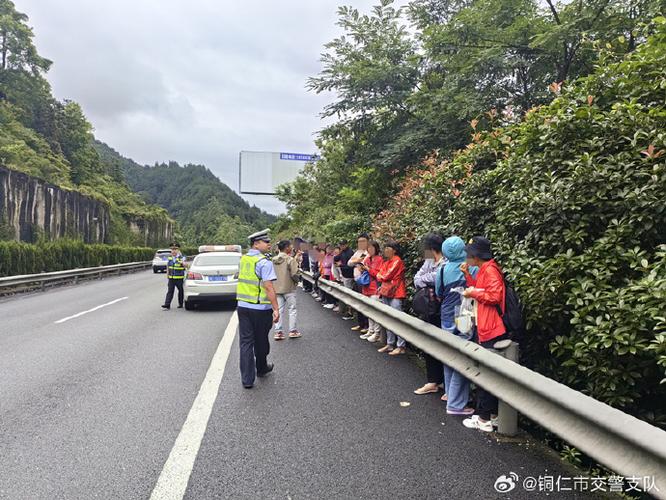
{"type": "Point", "coordinates": [539, 125]}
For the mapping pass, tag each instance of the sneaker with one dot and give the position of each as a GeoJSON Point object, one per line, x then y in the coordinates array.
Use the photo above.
{"type": "Point", "coordinates": [329, 306]}
{"type": "Point", "coordinates": [464, 411]}
{"type": "Point", "coordinates": [474, 422]}
{"type": "Point", "coordinates": [347, 318]}
{"type": "Point", "coordinates": [355, 328]}
{"type": "Point", "coordinates": [318, 299]}
{"type": "Point", "coordinates": [295, 335]}
{"type": "Point", "coordinates": [278, 336]}
{"type": "Point", "coordinates": [165, 308]}
{"type": "Point", "coordinates": [364, 336]}
{"type": "Point", "coordinates": [494, 421]}
{"type": "Point", "coordinates": [314, 294]}
{"type": "Point", "coordinates": [386, 348]}
{"type": "Point", "coordinates": [373, 338]}
{"type": "Point", "coordinates": [336, 309]}
{"type": "Point", "coordinates": [364, 330]}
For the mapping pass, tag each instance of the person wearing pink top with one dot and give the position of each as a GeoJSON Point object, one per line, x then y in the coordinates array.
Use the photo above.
{"type": "Point", "coordinates": [327, 273]}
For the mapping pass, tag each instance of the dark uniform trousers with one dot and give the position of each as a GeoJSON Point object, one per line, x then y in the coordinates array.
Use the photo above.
{"type": "Point", "coordinates": [173, 284]}
{"type": "Point", "coordinates": [253, 327]}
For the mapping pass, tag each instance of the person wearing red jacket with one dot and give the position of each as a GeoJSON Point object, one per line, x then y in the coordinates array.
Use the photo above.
{"type": "Point", "coordinates": [373, 264]}
{"type": "Point", "coordinates": [393, 291]}
{"type": "Point", "coordinates": [489, 291]}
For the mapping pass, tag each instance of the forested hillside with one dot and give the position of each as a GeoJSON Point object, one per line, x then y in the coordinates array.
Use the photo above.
{"type": "Point", "coordinates": [52, 140]}
{"type": "Point", "coordinates": [206, 209]}
{"type": "Point", "coordinates": [539, 125]}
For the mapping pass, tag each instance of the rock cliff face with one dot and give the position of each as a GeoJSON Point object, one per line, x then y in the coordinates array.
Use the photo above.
{"type": "Point", "coordinates": [30, 206]}
{"type": "Point", "coordinates": [152, 233]}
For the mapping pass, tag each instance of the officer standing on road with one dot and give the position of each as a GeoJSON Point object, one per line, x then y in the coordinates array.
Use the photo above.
{"type": "Point", "coordinates": [257, 308]}
{"type": "Point", "coordinates": [175, 277]}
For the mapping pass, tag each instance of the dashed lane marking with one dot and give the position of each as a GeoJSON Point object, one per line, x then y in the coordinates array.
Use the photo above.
{"type": "Point", "coordinates": [91, 310]}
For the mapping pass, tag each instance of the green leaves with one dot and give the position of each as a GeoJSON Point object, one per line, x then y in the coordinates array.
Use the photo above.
{"type": "Point", "coordinates": [23, 258]}
{"type": "Point", "coordinates": [17, 52]}
{"type": "Point", "coordinates": [576, 216]}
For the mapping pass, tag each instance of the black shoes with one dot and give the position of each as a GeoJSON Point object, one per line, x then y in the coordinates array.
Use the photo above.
{"type": "Point", "coordinates": [180, 306]}
{"type": "Point", "coordinates": [165, 308]}
{"type": "Point", "coordinates": [269, 368]}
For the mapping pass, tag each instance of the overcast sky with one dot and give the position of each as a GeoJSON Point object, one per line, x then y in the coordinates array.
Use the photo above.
{"type": "Point", "coordinates": [195, 81]}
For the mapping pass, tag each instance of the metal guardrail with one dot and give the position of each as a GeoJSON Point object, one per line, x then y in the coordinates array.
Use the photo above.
{"type": "Point", "coordinates": [615, 439]}
{"type": "Point", "coordinates": [8, 284]}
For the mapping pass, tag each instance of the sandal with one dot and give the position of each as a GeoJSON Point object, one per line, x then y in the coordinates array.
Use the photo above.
{"type": "Point", "coordinates": [444, 397]}
{"type": "Point", "coordinates": [426, 389]}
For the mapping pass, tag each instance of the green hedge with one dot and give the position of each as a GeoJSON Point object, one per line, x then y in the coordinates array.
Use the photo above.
{"type": "Point", "coordinates": [573, 199]}
{"type": "Point", "coordinates": [24, 258]}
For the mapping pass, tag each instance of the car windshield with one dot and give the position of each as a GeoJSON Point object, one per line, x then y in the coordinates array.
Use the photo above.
{"type": "Point", "coordinates": [217, 260]}
{"type": "Point", "coordinates": [162, 254]}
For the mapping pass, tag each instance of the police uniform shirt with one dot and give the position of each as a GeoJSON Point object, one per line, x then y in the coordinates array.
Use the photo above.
{"type": "Point", "coordinates": [266, 272]}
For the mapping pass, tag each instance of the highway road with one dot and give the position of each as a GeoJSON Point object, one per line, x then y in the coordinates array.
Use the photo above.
{"type": "Point", "coordinates": [104, 395]}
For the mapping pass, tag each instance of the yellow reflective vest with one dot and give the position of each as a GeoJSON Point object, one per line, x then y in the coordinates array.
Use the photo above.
{"type": "Point", "coordinates": [249, 285]}
{"type": "Point", "coordinates": [175, 268]}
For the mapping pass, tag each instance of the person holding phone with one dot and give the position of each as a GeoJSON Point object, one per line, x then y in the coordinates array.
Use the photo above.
{"type": "Point", "coordinates": [355, 262]}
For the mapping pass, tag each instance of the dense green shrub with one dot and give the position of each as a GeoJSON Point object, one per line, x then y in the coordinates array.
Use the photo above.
{"type": "Point", "coordinates": [23, 258]}
{"type": "Point", "coordinates": [573, 198]}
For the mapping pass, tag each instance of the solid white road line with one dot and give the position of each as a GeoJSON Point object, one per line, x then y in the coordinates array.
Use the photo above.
{"type": "Point", "coordinates": [172, 483]}
{"type": "Point", "coordinates": [90, 310]}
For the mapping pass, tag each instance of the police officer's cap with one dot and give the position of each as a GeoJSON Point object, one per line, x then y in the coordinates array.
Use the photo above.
{"type": "Point", "coordinates": [260, 236]}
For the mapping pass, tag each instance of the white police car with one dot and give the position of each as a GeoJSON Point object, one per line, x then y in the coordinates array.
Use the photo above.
{"type": "Point", "coordinates": [213, 275]}
{"type": "Point", "coordinates": [160, 260]}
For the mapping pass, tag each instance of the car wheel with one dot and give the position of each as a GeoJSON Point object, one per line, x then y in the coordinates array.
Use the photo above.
{"type": "Point", "coordinates": [189, 305]}
{"type": "Point", "coordinates": [154, 270]}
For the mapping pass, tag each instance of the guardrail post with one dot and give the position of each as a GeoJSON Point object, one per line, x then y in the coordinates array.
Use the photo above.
{"type": "Point", "coordinates": [507, 416]}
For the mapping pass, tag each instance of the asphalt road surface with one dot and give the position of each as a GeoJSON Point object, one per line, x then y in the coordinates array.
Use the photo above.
{"type": "Point", "coordinates": [103, 395]}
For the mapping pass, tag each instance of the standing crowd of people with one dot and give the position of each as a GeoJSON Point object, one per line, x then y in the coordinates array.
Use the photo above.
{"type": "Point", "coordinates": [451, 271]}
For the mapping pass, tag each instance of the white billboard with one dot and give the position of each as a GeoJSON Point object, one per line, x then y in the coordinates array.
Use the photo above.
{"type": "Point", "coordinates": [261, 172]}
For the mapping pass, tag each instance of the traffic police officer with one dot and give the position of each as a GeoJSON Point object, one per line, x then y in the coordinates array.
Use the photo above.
{"type": "Point", "coordinates": [175, 276]}
{"type": "Point", "coordinates": [257, 308]}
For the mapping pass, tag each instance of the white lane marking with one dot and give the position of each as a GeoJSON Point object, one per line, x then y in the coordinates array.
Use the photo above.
{"type": "Point", "coordinates": [172, 483]}
{"type": "Point", "coordinates": [90, 310]}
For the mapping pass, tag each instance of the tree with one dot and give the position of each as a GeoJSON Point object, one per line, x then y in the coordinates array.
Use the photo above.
{"type": "Point", "coordinates": [574, 28]}
{"type": "Point", "coordinates": [466, 65]}
{"type": "Point", "coordinates": [75, 138]}
{"type": "Point", "coordinates": [17, 52]}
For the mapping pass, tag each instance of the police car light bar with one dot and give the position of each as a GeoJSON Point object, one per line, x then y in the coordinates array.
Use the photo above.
{"type": "Point", "coordinates": [220, 248]}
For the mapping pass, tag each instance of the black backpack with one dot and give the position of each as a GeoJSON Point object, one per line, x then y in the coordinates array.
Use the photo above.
{"type": "Point", "coordinates": [426, 303]}
{"type": "Point", "coordinates": [513, 313]}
